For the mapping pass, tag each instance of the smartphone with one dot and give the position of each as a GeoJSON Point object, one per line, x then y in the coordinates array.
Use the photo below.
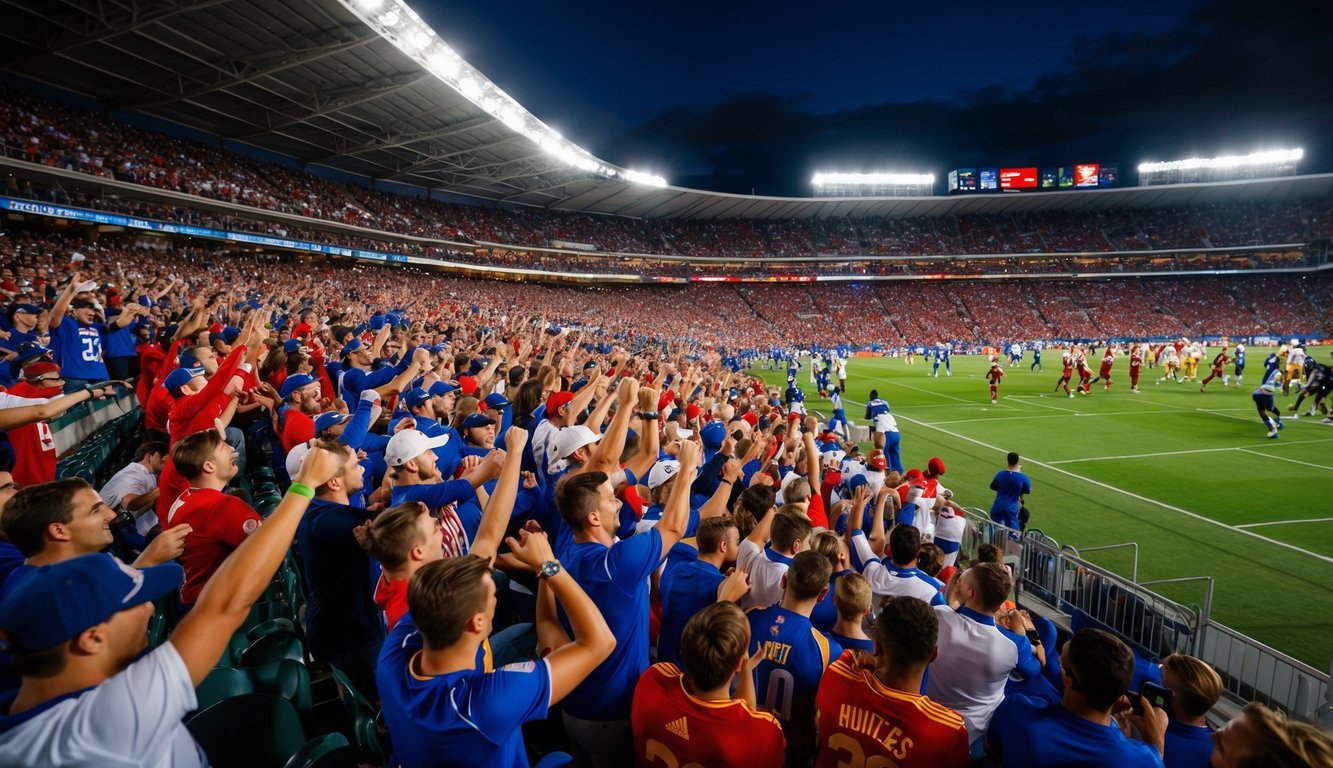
{"type": "Point", "coordinates": [1156, 695]}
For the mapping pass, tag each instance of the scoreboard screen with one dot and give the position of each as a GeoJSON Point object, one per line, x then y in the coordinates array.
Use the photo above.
{"type": "Point", "coordinates": [963, 180]}
{"type": "Point", "coordinates": [1085, 175]}
{"type": "Point", "coordinates": [990, 179]}
{"type": "Point", "coordinates": [1018, 178]}
{"type": "Point", "coordinates": [1049, 178]}
{"type": "Point", "coordinates": [1109, 176]}
{"type": "Point", "coordinates": [1066, 177]}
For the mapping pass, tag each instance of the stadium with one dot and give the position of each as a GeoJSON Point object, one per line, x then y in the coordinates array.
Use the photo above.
{"type": "Point", "coordinates": [344, 400]}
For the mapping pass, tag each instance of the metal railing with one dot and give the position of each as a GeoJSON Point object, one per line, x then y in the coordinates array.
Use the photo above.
{"type": "Point", "coordinates": [1091, 595]}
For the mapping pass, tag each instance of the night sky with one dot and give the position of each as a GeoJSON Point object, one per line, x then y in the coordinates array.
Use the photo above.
{"type": "Point", "coordinates": [746, 96]}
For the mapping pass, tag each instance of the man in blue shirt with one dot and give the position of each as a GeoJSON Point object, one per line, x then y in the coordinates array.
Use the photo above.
{"type": "Point", "coordinates": [76, 342]}
{"type": "Point", "coordinates": [1080, 730]}
{"type": "Point", "coordinates": [694, 583]}
{"type": "Point", "coordinates": [23, 319]}
{"type": "Point", "coordinates": [437, 704]}
{"type": "Point", "coordinates": [1195, 687]}
{"type": "Point", "coordinates": [615, 574]}
{"type": "Point", "coordinates": [1010, 486]}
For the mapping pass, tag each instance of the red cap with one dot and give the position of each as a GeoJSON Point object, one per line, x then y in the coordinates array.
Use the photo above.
{"type": "Point", "coordinates": [751, 418]}
{"type": "Point", "coordinates": [468, 384]}
{"type": "Point", "coordinates": [914, 475]}
{"type": "Point", "coordinates": [936, 466]}
{"type": "Point", "coordinates": [793, 416]}
{"type": "Point", "coordinates": [39, 368]}
{"type": "Point", "coordinates": [558, 400]}
{"type": "Point", "coordinates": [692, 411]}
{"type": "Point", "coordinates": [877, 461]}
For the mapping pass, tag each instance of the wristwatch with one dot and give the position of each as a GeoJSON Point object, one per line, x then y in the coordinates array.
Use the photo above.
{"type": "Point", "coordinates": [548, 569]}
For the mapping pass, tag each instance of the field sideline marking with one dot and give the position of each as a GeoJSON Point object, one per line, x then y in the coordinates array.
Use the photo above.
{"type": "Point", "coordinates": [1284, 458]}
{"type": "Point", "coordinates": [1071, 415]}
{"type": "Point", "coordinates": [1024, 398]}
{"type": "Point", "coordinates": [1197, 450]}
{"type": "Point", "coordinates": [924, 391]}
{"type": "Point", "coordinates": [1131, 494]}
{"type": "Point", "coordinates": [1286, 522]}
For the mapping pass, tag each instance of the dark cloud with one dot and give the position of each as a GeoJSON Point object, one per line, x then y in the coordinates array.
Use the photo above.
{"type": "Point", "coordinates": [1237, 76]}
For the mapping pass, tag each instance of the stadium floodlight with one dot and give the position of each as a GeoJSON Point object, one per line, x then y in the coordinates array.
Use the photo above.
{"type": "Point", "coordinates": [1276, 162]}
{"type": "Point", "coordinates": [873, 184]}
{"type": "Point", "coordinates": [398, 23]}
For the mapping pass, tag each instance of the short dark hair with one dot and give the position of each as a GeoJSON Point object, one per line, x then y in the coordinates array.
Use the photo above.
{"type": "Point", "coordinates": [1012, 458]}
{"type": "Point", "coordinates": [576, 497]}
{"type": "Point", "coordinates": [993, 584]}
{"type": "Point", "coordinates": [712, 532]}
{"type": "Point", "coordinates": [444, 594]}
{"type": "Point", "coordinates": [1100, 666]}
{"type": "Point", "coordinates": [714, 641]}
{"type": "Point", "coordinates": [34, 509]}
{"type": "Point", "coordinates": [149, 448]}
{"type": "Point", "coordinates": [787, 529]}
{"type": "Point", "coordinates": [904, 543]}
{"type": "Point", "coordinates": [930, 559]}
{"type": "Point", "coordinates": [392, 534]}
{"type": "Point", "coordinates": [907, 628]}
{"type": "Point", "coordinates": [808, 575]}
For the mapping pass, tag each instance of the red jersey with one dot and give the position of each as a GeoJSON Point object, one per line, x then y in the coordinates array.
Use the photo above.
{"type": "Point", "coordinates": [995, 374]}
{"type": "Point", "coordinates": [297, 428]}
{"type": "Point", "coordinates": [1135, 359]}
{"type": "Point", "coordinates": [674, 727]}
{"type": "Point", "coordinates": [192, 413]}
{"type": "Point", "coordinates": [1106, 365]}
{"type": "Point", "coordinates": [391, 597]}
{"type": "Point", "coordinates": [219, 524]}
{"type": "Point", "coordinates": [158, 409]}
{"type": "Point", "coordinates": [33, 445]}
{"type": "Point", "coordinates": [863, 722]}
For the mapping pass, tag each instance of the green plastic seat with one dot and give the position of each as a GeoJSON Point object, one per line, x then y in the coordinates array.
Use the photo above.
{"type": "Point", "coordinates": [360, 721]}
{"type": "Point", "coordinates": [253, 730]}
{"type": "Point", "coordinates": [285, 679]}
{"type": "Point", "coordinates": [328, 751]}
{"type": "Point", "coordinates": [271, 648]}
{"type": "Point", "coordinates": [221, 684]}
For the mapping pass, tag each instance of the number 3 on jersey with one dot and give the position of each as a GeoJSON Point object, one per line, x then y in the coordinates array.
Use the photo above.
{"type": "Point", "coordinates": [659, 754]}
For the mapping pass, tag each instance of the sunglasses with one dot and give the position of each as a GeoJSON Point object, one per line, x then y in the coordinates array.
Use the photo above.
{"type": "Point", "coordinates": [47, 378]}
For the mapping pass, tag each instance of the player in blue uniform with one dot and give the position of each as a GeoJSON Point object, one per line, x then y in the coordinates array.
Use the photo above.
{"type": "Point", "coordinates": [795, 653]}
{"type": "Point", "coordinates": [1263, 400]}
{"type": "Point", "coordinates": [1239, 364]}
{"type": "Point", "coordinates": [937, 355]}
{"type": "Point", "coordinates": [1036, 358]}
{"type": "Point", "coordinates": [838, 423]}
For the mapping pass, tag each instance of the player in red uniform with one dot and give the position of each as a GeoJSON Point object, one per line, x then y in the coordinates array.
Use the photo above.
{"type": "Point", "coordinates": [1084, 373]}
{"type": "Point", "coordinates": [1104, 372]}
{"type": "Point", "coordinates": [690, 717]}
{"type": "Point", "coordinates": [1135, 363]}
{"type": "Point", "coordinates": [870, 708]}
{"type": "Point", "coordinates": [993, 376]}
{"type": "Point", "coordinates": [1068, 360]}
{"type": "Point", "coordinates": [1218, 372]}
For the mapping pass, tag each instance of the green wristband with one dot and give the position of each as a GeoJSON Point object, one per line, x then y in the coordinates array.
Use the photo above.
{"type": "Point", "coordinates": [301, 489]}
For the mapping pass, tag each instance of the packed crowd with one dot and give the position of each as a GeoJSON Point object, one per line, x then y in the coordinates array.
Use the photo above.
{"type": "Point", "coordinates": [497, 520]}
{"type": "Point", "coordinates": [57, 135]}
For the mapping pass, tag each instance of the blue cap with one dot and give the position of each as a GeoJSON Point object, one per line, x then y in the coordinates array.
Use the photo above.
{"type": "Point", "coordinates": [54, 603]}
{"type": "Point", "coordinates": [441, 388]}
{"type": "Point", "coordinates": [230, 334]}
{"type": "Point", "coordinates": [477, 420]}
{"type": "Point", "coordinates": [713, 434]}
{"type": "Point", "coordinates": [576, 386]}
{"type": "Point", "coordinates": [27, 352]}
{"type": "Point", "coordinates": [295, 382]}
{"type": "Point", "coordinates": [590, 364]}
{"type": "Point", "coordinates": [26, 309]}
{"type": "Point", "coordinates": [291, 345]}
{"type": "Point", "coordinates": [351, 347]}
{"type": "Point", "coordinates": [376, 323]}
{"type": "Point", "coordinates": [182, 376]}
{"type": "Point", "coordinates": [857, 482]}
{"type": "Point", "coordinates": [496, 400]}
{"type": "Point", "coordinates": [326, 420]}
{"type": "Point", "coordinates": [415, 397]}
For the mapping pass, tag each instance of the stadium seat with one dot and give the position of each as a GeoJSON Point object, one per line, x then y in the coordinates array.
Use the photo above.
{"type": "Point", "coordinates": [285, 679]}
{"type": "Point", "coordinates": [221, 684]}
{"type": "Point", "coordinates": [273, 647]}
{"type": "Point", "coordinates": [328, 751]}
{"type": "Point", "coordinates": [360, 721]}
{"type": "Point", "coordinates": [253, 730]}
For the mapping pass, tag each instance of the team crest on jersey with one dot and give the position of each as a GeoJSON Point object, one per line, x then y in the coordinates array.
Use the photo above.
{"type": "Point", "coordinates": [780, 620]}
{"type": "Point", "coordinates": [774, 630]}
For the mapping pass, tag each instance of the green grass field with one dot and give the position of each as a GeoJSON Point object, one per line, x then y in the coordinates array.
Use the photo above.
{"type": "Point", "coordinates": [1190, 476]}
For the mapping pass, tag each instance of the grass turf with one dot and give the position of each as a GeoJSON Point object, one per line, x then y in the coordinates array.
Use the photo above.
{"type": "Point", "coordinates": [1174, 469]}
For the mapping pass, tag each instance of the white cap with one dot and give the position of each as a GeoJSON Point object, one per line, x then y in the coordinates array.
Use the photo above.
{"type": "Point", "coordinates": [409, 444]}
{"type": "Point", "coordinates": [662, 471]}
{"type": "Point", "coordinates": [295, 457]}
{"type": "Point", "coordinates": [787, 480]}
{"type": "Point", "coordinates": [570, 439]}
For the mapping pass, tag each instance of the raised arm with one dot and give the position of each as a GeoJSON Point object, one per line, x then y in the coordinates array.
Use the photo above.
{"type": "Point", "coordinates": [676, 515]}
{"type": "Point", "coordinates": [717, 504]}
{"type": "Point", "coordinates": [606, 456]}
{"type": "Point", "coordinates": [500, 507]}
{"type": "Point", "coordinates": [62, 302]}
{"type": "Point", "coordinates": [649, 437]}
{"type": "Point", "coordinates": [203, 634]}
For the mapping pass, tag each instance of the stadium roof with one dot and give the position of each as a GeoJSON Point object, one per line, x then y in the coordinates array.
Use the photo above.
{"type": "Point", "coordinates": [308, 79]}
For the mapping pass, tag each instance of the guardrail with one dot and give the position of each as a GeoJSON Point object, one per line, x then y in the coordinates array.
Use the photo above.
{"type": "Point", "coordinates": [1090, 595]}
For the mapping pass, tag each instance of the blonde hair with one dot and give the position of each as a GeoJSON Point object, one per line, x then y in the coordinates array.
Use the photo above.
{"type": "Point", "coordinates": [1198, 685]}
{"type": "Point", "coordinates": [851, 596]}
{"type": "Point", "coordinates": [1283, 743]}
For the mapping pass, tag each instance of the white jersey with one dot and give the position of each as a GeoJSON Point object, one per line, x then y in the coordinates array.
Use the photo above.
{"type": "Point", "coordinates": [131, 719]}
{"type": "Point", "coordinates": [1296, 356]}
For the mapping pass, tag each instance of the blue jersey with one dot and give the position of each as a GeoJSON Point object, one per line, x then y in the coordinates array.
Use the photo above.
{"type": "Point", "coordinates": [876, 407]}
{"type": "Point", "coordinates": [692, 588]}
{"type": "Point", "coordinates": [853, 643]}
{"type": "Point", "coordinates": [616, 578]}
{"type": "Point", "coordinates": [795, 657]}
{"type": "Point", "coordinates": [1028, 732]}
{"type": "Point", "coordinates": [78, 350]}
{"type": "Point", "coordinates": [1008, 487]}
{"type": "Point", "coordinates": [1240, 359]}
{"type": "Point", "coordinates": [1188, 746]}
{"type": "Point", "coordinates": [1271, 362]}
{"type": "Point", "coordinates": [469, 714]}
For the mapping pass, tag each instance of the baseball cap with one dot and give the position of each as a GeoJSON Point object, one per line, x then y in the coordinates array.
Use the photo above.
{"type": "Point", "coordinates": [291, 345]}
{"type": "Point", "coordinates": [496, 400]}
{"type": "Point", "coordinates": [713, 434]}
{"type": "Point", "coordinates": [27, 352]}
{"type": "Point", "coordinates": [914, 476]}
{"type": "Point", "coordinates": [662, 471]}
{"type": "Point", "coordinates": [935, 465]}
{"type": "Point", "coordinates": [409, 444]}
{"type": "Point", "coordinates": [294, 458]}
{"type": "Point", "coordinates": [326, 420]}
{"type": "Point", "coordinates": [570, 439]}
{"type": "Point", "coordinates": [54, 603]}
{"type": "Point", "coordinates": [294, 382]}
{"type": "Point", "coordinates": [558, 400]}
{"type": "Point", "coordinates": [351, 347]}
{"type": "Point", "coordinates": [467, 384]}
{"type": "Point", "coordinates": [692, 411]}
{"type": "Point", "coordinates": [23, 309]}
{"type": "Point", "coordinates": [415, 397]}
{"type": "Point", "coordinates": [440, 388]}
{"type": "Point", "coordinates": [877, 461]}
{"type": "Point", "coordinates": [34, 370]}
{"type": "Point", "coordinates": [83, 304]}
{"type": "Point", "coordinates": [481, 420]}
{"type": "Point", "coordinates": [182, 376]}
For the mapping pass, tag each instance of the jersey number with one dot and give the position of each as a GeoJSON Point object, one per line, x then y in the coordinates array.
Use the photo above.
{"type": "Point", "coordinates": [91, 351]}
{"type": "Point", "coordinates": [855, 756]}
{"type": "Point", "coordinates": [777, 697]}
{"type": "Point", "coordinates": [657, 752]}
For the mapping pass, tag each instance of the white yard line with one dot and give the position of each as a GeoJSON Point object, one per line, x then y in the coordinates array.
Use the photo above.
{"type": "Point", "coordinates": [1025, 398]}
{"type": "Point", "coordinates": [1284, 458]}
{"type": "Point", "coordinates": [1197, 450]}
{"type": "Point", "coordinates": [1070, 415]}
{"type": "Point", "coordinates": [1287, 522]}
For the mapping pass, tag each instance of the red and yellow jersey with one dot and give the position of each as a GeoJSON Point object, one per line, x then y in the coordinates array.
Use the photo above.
{"type": "Point", "coordinates": [864, 722]}
{"type": "Point", "coordinates": [674, 728]}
